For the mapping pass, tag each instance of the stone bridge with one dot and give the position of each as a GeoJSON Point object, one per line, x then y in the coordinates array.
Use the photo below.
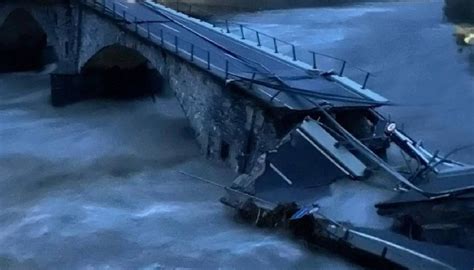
{"type": "Point", "coordinates": [246, 93]}
{"type": "Point", "coordinates": [241, 97]}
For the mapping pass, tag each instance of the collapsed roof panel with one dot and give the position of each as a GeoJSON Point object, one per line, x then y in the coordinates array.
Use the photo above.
{"type": "Point", "coordinates": [309, 158]}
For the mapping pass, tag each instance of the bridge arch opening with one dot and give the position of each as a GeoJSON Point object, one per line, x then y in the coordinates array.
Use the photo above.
{"type": "Point", "coordinates": [23, 43]}
{"type": "Point", "coordinates": [119, 72]}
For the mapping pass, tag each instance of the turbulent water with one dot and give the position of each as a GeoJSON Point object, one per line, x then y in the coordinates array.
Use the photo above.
{"type": "Point", "coordinates": [97, 185]}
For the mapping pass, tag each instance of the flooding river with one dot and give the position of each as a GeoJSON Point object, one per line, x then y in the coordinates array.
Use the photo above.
{"type": "Point", "coordinates": [97, 185]}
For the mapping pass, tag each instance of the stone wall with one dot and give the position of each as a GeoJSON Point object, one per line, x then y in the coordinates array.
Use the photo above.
{"type": "Point", "coordinates": [59, 21]}
{"type": "Point", "coordinates": [228, 124]}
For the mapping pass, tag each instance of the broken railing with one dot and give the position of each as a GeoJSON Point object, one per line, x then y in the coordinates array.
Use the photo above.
{"type": "Point", "coordinates": [204, 53]}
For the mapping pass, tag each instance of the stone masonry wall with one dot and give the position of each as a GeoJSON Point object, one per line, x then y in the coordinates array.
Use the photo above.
{"type": "Point", "coordinates": [229, 125]}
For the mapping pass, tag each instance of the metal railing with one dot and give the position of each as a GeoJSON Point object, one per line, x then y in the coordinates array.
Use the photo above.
{"type": "Point", "coordinates": [279, 46]}
{"type": "Point", "coordinates": [219, 63]}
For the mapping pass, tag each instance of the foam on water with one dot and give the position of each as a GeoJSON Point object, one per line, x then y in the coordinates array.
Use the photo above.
{"type": "Point", "coordinates": [353, 202]}
{"type": "Point", "coordinates": [96, 186]}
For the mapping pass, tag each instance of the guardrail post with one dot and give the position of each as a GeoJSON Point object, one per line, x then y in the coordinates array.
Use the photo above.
{"type": "Point", "coordinates": [136, 24]}
{"type": "Point", "coordinates": [176, 44]}
{"type": "Point", "coordinates": [226, 69]}
{"type": "Point", "coordinates": [162, 38]}
{"type": "Point", "coordinates": [342, 68]}
{"type": "Point", "coordinates": [366, 80]}
{"type": "Point", "coordinates": [227, 26]}
{"type": "Point", "coordinates": [293, 48]}
{"type": "Point", "coordinates": [148, 30]}
{"type": "Point", "coordinates": [208, 60]}
{"type": "Point", "coordinates": [124, 15]}
{"type": "Point", "coordinates": [275, 96]}
{"type": "Point", "coordinates": [315, 66]}
{"type": "Point", "coordinates": [275, 45]}
{"type": "Point", "coordinates": [113, 10]}
{"type": "Point", "coordinates": [242, 31]}
{"type": "Point", "coordinates": [192, 52]}
{"type": "Point", "coordinates": [258, 39]}
{"type": "Point", "coordinates": [252, 80]}
{"type": "Point", "coordinates": [103, 6]}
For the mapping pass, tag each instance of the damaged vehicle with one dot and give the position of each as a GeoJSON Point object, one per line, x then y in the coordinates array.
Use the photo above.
{"type": "Point", "coordinates": [351, 181]}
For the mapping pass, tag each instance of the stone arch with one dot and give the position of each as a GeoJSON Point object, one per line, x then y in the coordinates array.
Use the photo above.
{"type": "Point", "coordinates": [23, 42]}
{"type": "Point", "coordinates": [119, 72]}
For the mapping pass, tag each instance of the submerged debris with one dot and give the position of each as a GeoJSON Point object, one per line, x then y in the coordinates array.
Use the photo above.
{"type": "Point", "coordinates": [428, 197]}
{"type": "Point", "coordinates": [465, 34]}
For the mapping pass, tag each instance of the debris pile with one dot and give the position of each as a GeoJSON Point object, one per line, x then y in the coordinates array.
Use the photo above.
{"type": "Point", "coordinates": [309, 185]}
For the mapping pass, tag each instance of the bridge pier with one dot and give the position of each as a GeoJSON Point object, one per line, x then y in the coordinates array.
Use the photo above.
{"type": "Point", "coordinates": [229, 125]}
{"type": "Point", "coordinates": [66, 88]}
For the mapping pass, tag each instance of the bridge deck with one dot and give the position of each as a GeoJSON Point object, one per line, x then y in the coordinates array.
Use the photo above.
{"type": "Point", "coordinates": [295, 86]}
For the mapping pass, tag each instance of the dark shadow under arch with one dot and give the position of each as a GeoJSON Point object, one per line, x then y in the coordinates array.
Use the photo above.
{"type": "Point", "coordinates": [23, 43]}
{"type": "Point", "coordinates": [118, 72]}
{"type": "Point", "coordinates": [459, 11]}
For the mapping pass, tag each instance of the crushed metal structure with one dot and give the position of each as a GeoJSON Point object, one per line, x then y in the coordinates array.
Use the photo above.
{"type": "Point", "coordinates": [430, 197]}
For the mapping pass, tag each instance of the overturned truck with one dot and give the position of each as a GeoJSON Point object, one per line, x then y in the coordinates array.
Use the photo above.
{"type": "Point", "coordinates": [350, 181]}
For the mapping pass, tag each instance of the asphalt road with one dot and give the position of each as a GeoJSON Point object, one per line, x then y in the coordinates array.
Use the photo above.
{"type": "Point", "coordinates": [243, 59]}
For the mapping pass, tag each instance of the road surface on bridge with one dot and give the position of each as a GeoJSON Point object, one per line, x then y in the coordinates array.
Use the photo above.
{"type": "Point", "coordinates": [243, 60]}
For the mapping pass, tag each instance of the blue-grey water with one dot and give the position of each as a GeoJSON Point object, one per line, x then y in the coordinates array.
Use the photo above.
{"type": "Point", "coordinates": [97, 185]}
